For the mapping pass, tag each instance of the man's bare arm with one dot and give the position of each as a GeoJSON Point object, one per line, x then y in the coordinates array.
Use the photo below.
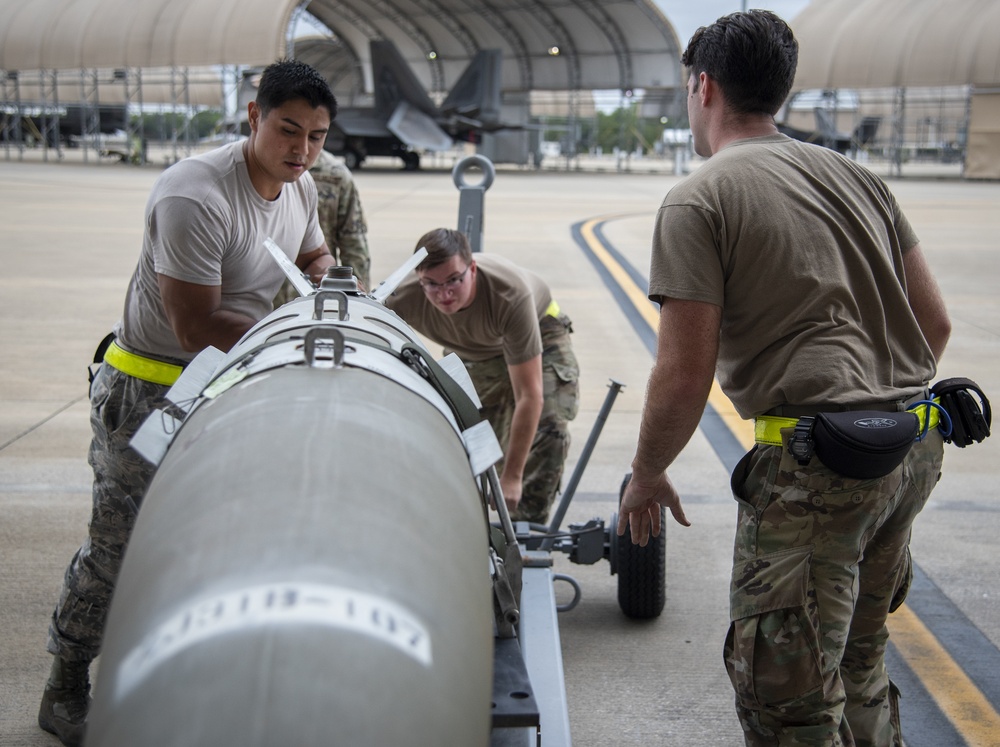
{"type": "Point", "coordinates": [687, 349]}
{"type": "Point", "coordinates": [926, 301]}
{"type": "Point", "coordinates": [195, 314]}
{"type": "Point", "coordinates": [314, 263]}
{"type": "Point", "coordinates": [526, 382]}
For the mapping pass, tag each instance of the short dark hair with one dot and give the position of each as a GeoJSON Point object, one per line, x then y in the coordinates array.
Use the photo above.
{"type": "Point", "coordinates": [752, 56]}
{"type": "Point", "coordinates": [288, 80]}
{"type": "Point", "coordinates": [442, 244]}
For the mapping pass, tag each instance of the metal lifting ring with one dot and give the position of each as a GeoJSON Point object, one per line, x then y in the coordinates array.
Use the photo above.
{"type": "Point", "coordinates": [474, 161]}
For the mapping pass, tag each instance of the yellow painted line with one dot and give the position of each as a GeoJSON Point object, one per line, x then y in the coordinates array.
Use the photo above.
{"type": "Point", "coordinates": [642, 304]}
{"type": "Point", "coordinates": [956, 695]}
{"type": "Point", "coordinates": [742, 429]}
{"type": "Point", "coordinates": [962, 703]}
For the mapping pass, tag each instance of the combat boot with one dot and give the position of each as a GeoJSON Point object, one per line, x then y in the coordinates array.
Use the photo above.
{"type": "Point", "coordinates": [66, 700]}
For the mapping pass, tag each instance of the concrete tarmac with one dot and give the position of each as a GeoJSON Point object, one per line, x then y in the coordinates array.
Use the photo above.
{"type": "Point", "coordinates": [70, 238]}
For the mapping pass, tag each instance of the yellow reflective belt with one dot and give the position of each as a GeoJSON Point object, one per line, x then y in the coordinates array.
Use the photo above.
{"type": "Point", "coordinates": [932, 420]}
{"type": "Point", "coordinates": [141, 367]}
{"type": "Point", "coordinates": [767, 428]}
{"type": "Point", "coordinates": [553, 309]}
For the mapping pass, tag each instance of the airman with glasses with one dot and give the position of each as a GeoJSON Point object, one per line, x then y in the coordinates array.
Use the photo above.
{"type": "Point", "coordinates": [502, 321]}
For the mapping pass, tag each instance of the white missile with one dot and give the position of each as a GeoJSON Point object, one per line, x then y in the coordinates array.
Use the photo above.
{"type": "Point", "coordinates": [311, 564]}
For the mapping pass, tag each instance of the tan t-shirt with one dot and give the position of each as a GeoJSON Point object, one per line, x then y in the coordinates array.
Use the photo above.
{"type": "Point", "coordinates": [501, 320]}
{"type": "Point", "coordinates": [803, 250]}
{"type": "Point", "coordinates": [206, 224]}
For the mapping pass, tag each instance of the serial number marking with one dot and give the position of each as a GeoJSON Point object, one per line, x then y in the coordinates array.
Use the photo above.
{"type": "Point", "coordinates": [272, 605]}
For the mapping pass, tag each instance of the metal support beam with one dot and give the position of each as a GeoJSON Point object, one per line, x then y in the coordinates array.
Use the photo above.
{"type": "Point", "coordinates": [10, 88]}
{"type": "Point", "coordinates": [49, 86]}
{"type": "Point", "coordinates": [180, 96]}
{"type": "Point", "coordinates": [135, 123]}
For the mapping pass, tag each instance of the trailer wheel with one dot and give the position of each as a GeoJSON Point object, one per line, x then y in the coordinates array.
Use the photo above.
{"type": "Point", "coordinates": [642, 571]}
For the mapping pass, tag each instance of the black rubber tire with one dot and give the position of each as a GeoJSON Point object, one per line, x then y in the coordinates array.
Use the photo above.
{"type": "Point", "coordinates": [352, 160]}
{"type": "Point", "coordinates": [411, 161]}
{"type": "Point", "coordinates": [642, 571]}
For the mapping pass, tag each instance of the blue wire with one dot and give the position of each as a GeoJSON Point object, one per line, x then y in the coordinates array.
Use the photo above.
{"type": "Point", "coordinates": [945, 418]}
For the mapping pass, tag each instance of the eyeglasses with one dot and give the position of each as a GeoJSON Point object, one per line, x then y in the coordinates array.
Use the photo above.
{"type": "Point", "coordinates": [450, 284]}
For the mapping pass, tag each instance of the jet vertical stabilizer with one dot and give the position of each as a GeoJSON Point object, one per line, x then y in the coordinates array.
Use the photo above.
{"type": "Point", "coordinates": [476, 94]}
{"type": "Point", "coordinates": [395, 81]}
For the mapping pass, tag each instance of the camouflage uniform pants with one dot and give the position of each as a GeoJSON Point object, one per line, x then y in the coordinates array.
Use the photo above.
{"type": "Point", "coordinates": [560, 379]}
{"type": "Point", "coordinates": [820, 560]}
{"type": "Point", "coordinates": [119, 405]}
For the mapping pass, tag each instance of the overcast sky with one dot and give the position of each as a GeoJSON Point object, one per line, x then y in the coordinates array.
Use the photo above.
{"type": "Point", "coordinates": [686, 16]}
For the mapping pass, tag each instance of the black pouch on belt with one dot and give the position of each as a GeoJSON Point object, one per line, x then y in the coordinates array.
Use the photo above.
{"type": "Point", "coordinates": [862, 444]}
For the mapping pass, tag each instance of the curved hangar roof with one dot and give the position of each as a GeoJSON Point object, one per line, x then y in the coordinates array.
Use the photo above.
{"type": "Point", "coordinates": [73, 34]}
{"type": "Point", "coordinates": [898, 43]}
{"type": "Point", "coordinates": [602, 44]}
{"type": "Point", "coordinates": [546, 44]}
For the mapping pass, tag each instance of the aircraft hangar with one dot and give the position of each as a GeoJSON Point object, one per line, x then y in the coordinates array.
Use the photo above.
{"type": "Point", "coordinates": [928, 72]}
{"type": "Point", "coordinates": [187, 52]}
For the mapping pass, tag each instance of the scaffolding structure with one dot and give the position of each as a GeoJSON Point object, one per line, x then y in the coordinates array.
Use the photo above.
{"type": "Point", "coordinates": [99, 111]}
{"type": "Point", "coordinates": [904, 125]}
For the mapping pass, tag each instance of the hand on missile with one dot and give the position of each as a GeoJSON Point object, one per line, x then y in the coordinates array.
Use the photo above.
{"type": "Point", "coordinates": [640, 507]}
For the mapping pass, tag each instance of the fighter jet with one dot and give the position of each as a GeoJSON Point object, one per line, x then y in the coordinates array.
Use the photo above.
{"type": "Point", "coordinates": [405, 121]}
{"type": "Point", "coordinates": [827, 135]}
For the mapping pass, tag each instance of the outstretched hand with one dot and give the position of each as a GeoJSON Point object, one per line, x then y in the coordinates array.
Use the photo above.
{"type": "Point", "coordinates": [640, 508]}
